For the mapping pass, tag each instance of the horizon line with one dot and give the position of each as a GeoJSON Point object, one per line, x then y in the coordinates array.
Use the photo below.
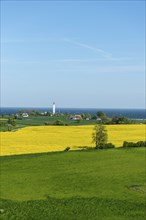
{"type": "Point", "coordinates": [143, 108]}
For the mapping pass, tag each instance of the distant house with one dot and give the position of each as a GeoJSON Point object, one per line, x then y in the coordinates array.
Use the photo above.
{"type": "Point", "coordinates": [72, 117]}
{"type": "Point", "coordinates": [43, 113]}
{"type": "Point", "coordinates": [75, 117]}
{"type": "Point", "coordinates": [78, 116]}
{"type": "Point", "coordinates": [25, 115]}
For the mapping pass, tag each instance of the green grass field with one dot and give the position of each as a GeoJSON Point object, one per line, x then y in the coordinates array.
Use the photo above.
{"type": "Point", "coordinates": [41, 120]}
{"type": "Point", "coordinates": [77, 185]}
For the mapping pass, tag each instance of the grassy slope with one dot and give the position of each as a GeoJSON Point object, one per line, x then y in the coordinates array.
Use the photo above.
{"type": "Point", "coordinates": [79, 185]}
{"type": "Point", "coordinates": [41, 120]}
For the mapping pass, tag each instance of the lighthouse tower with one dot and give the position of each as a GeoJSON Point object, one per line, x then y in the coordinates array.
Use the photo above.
{"type": "Point", "coordinates": [53, 108]}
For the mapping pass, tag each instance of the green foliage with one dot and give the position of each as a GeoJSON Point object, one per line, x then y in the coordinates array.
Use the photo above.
{"type": "Point", "coordinates": [109, 146]}
{"type": "Point", "coordinates": [120, 120]}
{"type": "Point", "coordinates": [15, 117]}
{"type": "Point", "coordinates": [87, 115]}
{"type": "Point", "coordinates": [58, 122]}
{"type": "Point", "coordinates": [99, 136]}
{"type": "Point", "coordinates": [48, 114]}
{"type": "Point", "coordinates": [83, 116]}
{"type": "Point", "coordinates": [41, 120]}
{"type": "Point", "coordinates": [94, 117]}
{"type": "Point", "coordinates": [104, 118]}
{"type": "Point", "coordinates": [80, 185]}
{"type": "Point", "coordinates": [132, 144]}
{"type": "Point", "coordinates": [12, 121]}
{"type": "Point", "coordinates": [100, 114]}
{"type": "Point", "coordinates": [2, 123]}
{"type": "Point", "coordinates": [34, 113]}
{"type": "Point", "coordinates": [47, 123]}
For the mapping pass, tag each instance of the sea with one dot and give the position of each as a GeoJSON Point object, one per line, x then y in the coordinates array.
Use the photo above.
{"type": "Point", "coordinates": [130, 113]}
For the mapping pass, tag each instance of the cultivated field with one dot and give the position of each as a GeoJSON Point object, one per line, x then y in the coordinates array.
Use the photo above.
{"type": "Point", "coordinates": [36, 139]}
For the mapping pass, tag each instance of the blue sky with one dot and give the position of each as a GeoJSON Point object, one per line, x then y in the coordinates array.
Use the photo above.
{"type": "Point", "coordinates": [78, 54]}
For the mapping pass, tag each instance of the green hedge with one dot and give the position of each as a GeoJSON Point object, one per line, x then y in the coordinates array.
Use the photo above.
{"type": "Point", "coordinates": [132, 144]}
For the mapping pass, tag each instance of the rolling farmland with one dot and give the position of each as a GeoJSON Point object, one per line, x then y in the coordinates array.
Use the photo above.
{"type": "Point", "coordinates": [36, 139]}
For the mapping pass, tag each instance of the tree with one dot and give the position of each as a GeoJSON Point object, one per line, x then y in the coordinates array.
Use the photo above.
{"type": "Point", "coordinates": [104, 118]}
{"type": "Point", "coordinates": [87, 115]}
{"type": "Point", "coordinates": [12, 122]}
{"type": "Point", "coordinates": [99, 136]}
{"type": "Point", "coordinates": [83, 115]}
{"type": "Point", "coordinates": [119, 120]}
{"type": "Point", "coordinates": [59, 122]}
{"type": "Point", "coordinates": [94, 117]}
{"type": "Point", "coordinates": [48, 114]}
{"type": "Point", "coordinates": [100, 114]}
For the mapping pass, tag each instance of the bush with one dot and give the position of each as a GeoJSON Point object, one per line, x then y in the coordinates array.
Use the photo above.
{"type": "Point", "coordinates": [109, 146]}
{"type": "Point", "coordinates": [106, 146]}
{"type": "Point", "coordinates": [132, 144]}
{"type": "Point", "coordinates": [12, 122]}
{"type": "Point", "coordinates": [47, 123]}
{"type": "Point", "coordinates": [67, 149]}
{"type": "Point", "coordinates": [58, 122]}
{"type": "Point", "coordinates": [2, 123]}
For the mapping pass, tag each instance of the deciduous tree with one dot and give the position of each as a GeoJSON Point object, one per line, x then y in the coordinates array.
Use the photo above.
{"type": "Point", "coordinates": [99, 136]}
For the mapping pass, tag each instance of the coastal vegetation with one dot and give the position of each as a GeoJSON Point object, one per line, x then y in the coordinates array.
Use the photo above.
{"type": "Point", "coordinates": [35, 118]}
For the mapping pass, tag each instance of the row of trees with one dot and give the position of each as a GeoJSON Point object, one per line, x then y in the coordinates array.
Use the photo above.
{"type": "Point", "coordinates": [8, 122]}
{"type": "Point", "coordinates": [104, 119]}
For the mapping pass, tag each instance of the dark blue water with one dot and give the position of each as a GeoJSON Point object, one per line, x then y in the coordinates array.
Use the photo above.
{"type": "Point", "coordinates": [130, 113]}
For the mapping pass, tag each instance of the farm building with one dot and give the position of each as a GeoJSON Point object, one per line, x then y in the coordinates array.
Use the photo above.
{"type": "Point", "coordinates": [75, 117]}
{"type": "Point", "coordinates": [25, 115]}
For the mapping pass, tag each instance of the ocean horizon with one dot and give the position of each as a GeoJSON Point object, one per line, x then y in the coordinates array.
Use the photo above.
{"type": "Point", "coordinates": [135, 113]}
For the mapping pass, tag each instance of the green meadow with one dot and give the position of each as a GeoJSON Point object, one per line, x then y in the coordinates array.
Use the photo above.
{"type": "Point", "coordinates": [76, 185]}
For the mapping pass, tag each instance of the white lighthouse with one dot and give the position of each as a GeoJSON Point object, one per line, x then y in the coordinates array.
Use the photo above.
{"type": "Point", "coordinates": [53, 108]}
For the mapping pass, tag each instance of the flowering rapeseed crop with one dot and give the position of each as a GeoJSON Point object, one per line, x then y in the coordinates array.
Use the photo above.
{"type": "Point", "coordinates": [57, 138]}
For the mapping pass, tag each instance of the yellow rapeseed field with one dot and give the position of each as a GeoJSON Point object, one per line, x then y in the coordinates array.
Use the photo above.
{"type": "Point", "coordinates": [56, 138]}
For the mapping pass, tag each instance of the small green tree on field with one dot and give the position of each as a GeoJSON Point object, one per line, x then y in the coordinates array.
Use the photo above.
{"type": "Point", "coordinates": [87, 115]}
{"type": "Point", "coordinates": [12, 121]}
{"type": "Point", "coordinates": [58, 122]}
{"type": "Point", "coordinates": [83, 115]}
{"type": "Point", "coordinates": [99, 136]}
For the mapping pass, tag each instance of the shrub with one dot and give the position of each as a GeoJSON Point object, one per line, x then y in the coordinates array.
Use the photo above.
{"type": "Point", "coordinates": [132, 144]}
{"type": "Point", "coordinates": [67, 149]}
{"type": "Point", "coordinates": [47, 123]}
{"type": "Point", "coordinates": [11, 122]}
{"type": "Point", "coordinates": [109, 146]}
{"type": "Point", "coordinates": [2, 123]}
{"type": "Point", "coordinates": [58, 122]}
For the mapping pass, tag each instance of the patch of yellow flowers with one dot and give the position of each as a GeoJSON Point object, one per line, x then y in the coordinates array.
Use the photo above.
{"type": "Point", "coordinates": [56, 138]}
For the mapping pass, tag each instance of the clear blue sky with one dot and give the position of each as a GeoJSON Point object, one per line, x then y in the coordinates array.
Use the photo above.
{"type": "Point", "coordinates": [78, 54]}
